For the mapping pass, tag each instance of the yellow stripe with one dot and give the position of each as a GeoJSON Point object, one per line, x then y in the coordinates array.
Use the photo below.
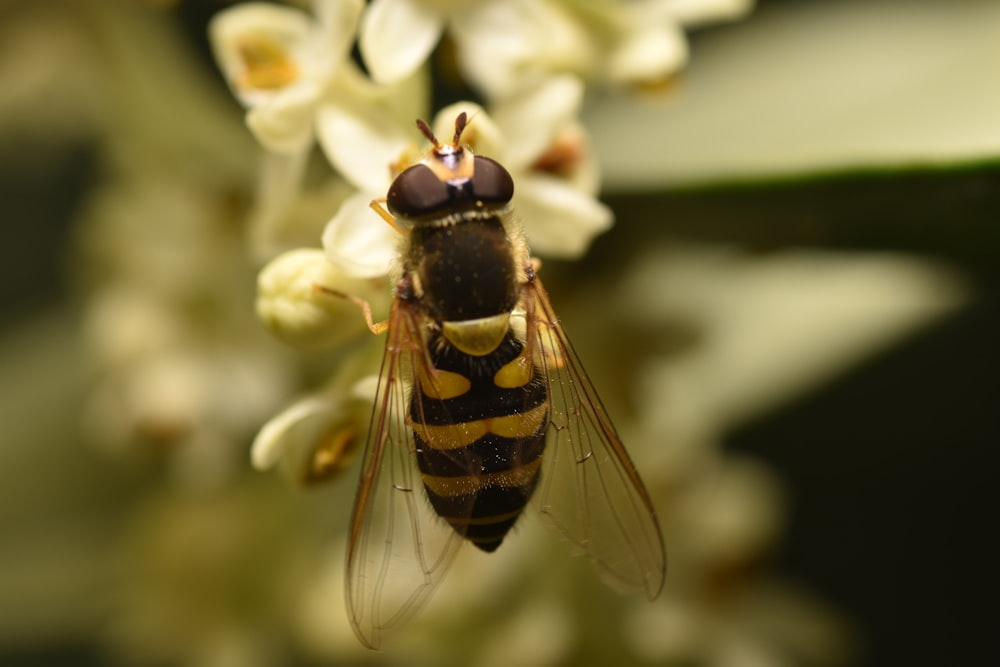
{"type": "Point", "coordinates": [450, 487]}
{"type": "Point", "coordinates": [514, 374]}
{"type": "Point", "coordinates": [443, 384]}
{"type": "Point", "coordinates": [455, 436]}
{"type": "Point", "coordinates": [519, 426]}
{"type": "Point", "coordinates": [451, 436]}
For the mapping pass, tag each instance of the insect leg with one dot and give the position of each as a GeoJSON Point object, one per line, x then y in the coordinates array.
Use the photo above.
{"type": "Point", "coordinates": [378, 205]}
{"type": "Point", "coordinates": [366, 309]}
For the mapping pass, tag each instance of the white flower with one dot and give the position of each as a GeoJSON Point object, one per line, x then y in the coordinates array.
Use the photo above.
{"type": "Point", "coordinates": [497, 40]}
{"type": "Point", "coordinates": [317, 437]}
{"type": "Point", "coordinates": [501, 44]}
{"type": "Point", "coordinates": [397, 36]}
{"type": "Point", "coordinates": [536, 137]}
{"type": "Point", "coordinates": [358, 242]}
{"type": "Point", "coordinates": [368, 145]}
{"type": "Point", "coordinates": [368, 126]}
{"type": "Point", "coordinates": [294, 74]}
{"type": "Point", "coordinates": [649, 44]}
{"type": "Point", "coordinates": [294, 300]}
{"type": "Point", "coordinates": [280, 62]}
{"type": "Point", "coordinates": [700, 12]}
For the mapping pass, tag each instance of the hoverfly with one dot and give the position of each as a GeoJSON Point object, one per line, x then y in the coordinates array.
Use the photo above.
{"type": "Point", "coordinates": [483, 403]}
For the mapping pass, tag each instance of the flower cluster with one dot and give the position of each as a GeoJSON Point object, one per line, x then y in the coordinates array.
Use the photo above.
{"type": "Point", "coordinates": [216, 564]}
{"type": "Point", "coordinates": [529, 63]}
{"type": "Point", "coordinates": [301, 82]}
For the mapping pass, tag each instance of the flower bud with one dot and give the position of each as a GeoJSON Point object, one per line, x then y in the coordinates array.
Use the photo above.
{"type": "Point", "coordinates": [303, 299]}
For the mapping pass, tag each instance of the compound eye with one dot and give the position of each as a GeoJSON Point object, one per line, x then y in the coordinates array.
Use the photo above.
{"type": "Point", "coordinates": [417, 192]}
{"type": "Point", "coordinates": [491, 182]}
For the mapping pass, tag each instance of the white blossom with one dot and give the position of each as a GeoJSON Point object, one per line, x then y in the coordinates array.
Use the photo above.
{"type": "Point", "coordinates": [281, 62]}
{"type": "Point", "coordinates": [501, 44]}
{"type": "Point", "coordinates": [317, 437]}
{"type": "Point", "coordinates": [294, 299]}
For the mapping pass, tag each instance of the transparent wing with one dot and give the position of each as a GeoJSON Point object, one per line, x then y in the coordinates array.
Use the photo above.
{"type": "Point", "coordinates": [398, 549]}
{"type": "Point", "coordinates": [590, 492]}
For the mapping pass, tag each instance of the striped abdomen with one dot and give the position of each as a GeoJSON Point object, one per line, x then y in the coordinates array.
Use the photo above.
{"type": "Point", "coordinates": [479, 436]}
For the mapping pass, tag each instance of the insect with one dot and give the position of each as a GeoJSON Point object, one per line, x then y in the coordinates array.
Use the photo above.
{"type": "Point", "coordinates": [482, 405]}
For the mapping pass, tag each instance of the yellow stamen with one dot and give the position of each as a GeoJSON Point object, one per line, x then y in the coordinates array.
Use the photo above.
{"type": "Point", "coordinates": [268, 64]}
{"type": "Point", "coordinates": [334, 452]}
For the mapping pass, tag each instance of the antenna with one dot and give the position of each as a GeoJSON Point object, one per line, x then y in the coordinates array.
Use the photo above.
{"type": "Point", "coordinates": [460, 124]}
{"type": "Point", "coordinates": [426, 131]}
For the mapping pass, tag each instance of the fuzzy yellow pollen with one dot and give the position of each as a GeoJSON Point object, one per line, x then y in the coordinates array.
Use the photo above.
{"type": "Point", "coordinates": [268, 64]}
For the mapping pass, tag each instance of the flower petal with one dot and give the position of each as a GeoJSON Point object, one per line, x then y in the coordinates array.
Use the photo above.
{"type": "Point", "coordinates": [651, 53]}
{"type": "Point", "coordinates": [531, 118]}
{"type": "Point", "coordinates": [255, 45]}
{"type": "Point", "coordinates": [357, 242]}
{"type": "Point", "coordinates": [396, 37]}
{"type": "Point", "coordinates": [481, 133]}
{"type": "Point", "coordinates": [361, 141]}
{"type": "Point", "coordinates": [285, 123]}
{"type": "Point", "coordinates": [274, 436]}
{"type": "Point", "coordinates": [504, 43]}
{"type": "Point", "coordinates": [699, 12]}
{"type": "Point", "coordinates": [559, 220]}
{"type": "Point", "coordinates": [338, 21]}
